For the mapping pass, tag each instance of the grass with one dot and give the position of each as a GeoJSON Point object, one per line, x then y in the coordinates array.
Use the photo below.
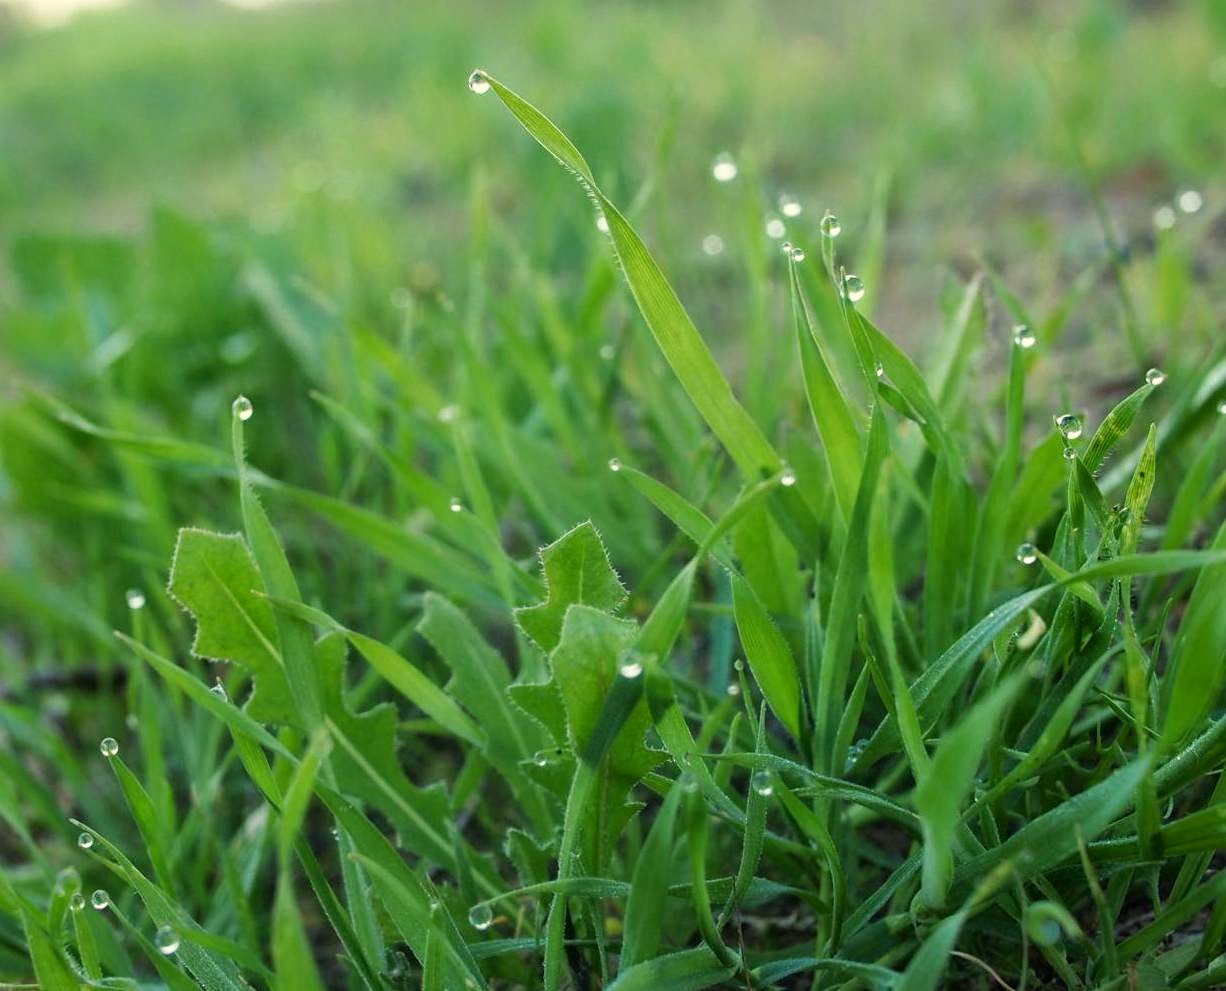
{"type": "Point", "coordinates": [516, 632]}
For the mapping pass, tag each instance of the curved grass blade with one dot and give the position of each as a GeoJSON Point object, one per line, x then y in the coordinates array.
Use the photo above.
{"type": "Point", "coordinates": [683, 347]}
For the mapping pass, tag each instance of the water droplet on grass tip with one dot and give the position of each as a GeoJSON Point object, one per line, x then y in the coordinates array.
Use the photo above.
{"type": "Point", "coordinates": [85, 841]}
{"type": "Point", "coordinates": [100, 900]}
{"type": "Point", "coordinates": [219, 691]}
{"type": "Point", "coordinates": [479, 82]}
{"type": "Point", "coordinates": [456, 506]}
{"type": "Point", "coordinates": [77, 902]}
{"type": "Point", "coordinates": [879, 368]}
{"type": "Point", "coordinates": [724, 168]}
{"type": "Point", "coordinates": [1070, 425]}
{"type": "Point", "coordinates": [602, 223]}
{"type": "Point", "coordinates": [242, 408]}
{"type": "Point", "coordinates": [135, 598]}
{"type": "Point", "coordinates": [109, 747]}
{"type": "Point", "coordinates": [712, 244]}
{"type": "Point", "coordinates": [540, 758]}
{"type": "Point", "coordinates": [763, 783]}
{"type": "Point", "coordinates": [830, 225]}
{"type": "Point", "coordinates": [798, 253]}
{"type": "Point", "coordinates": [738, 664]}
{"type": "Point", "coordinates": [787, 478]}
{"type": "Point", "coordinates": [481, 916]}
{"type": "Point", "coordinates": [1190, 201]}
{"type": "Point", "coordinates": [734, 689]}
{"type": "Point", "coordinates": [853, 288]}
{"type": "Point", "coordinates": [1155, 376]}
{"type": "Point", "coordinates": [1027, 554]}
{"type": "Point", "coordinates": [631, 669]}
{"type": "Point", "coordinates": [615, 464]}
{"type": "Point", "coordinates": [1221, 407]}
{"type": "Point", "coordinates": [775, 228]}
{"type": "Point", "coordinates": [1024, 337]}
{"type": "Point", "coordinates": [1069, 454]}
{"type": "Point", "coordinates": [790, 206]}
{"type": "Point", "coordinates": [166, 940]}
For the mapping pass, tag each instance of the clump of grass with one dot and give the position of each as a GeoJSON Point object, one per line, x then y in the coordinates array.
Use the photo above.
{"type": "Point", "coordinates": [879, 679]}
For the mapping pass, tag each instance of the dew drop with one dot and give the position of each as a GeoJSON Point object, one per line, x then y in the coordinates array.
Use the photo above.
{"type": "Point", "coordinates": [790, 206]}
{"type": "Point", "coordinates": [449, 413]}
{"type": "Point", "coordinates": [456, 506]}
{"type": "Point", "coordinates": [1164, 217]}
{"type": "Point", "coordinates": [1027, 554]}
{"type": "Point", "coordinates": [798, 254]}
{"type": "Point", "coordinates": [631, 669]}
{"type": "Point", "coordinates": [109, 747]}
{"type": "Point", "coordinates": [775, 228]}
{"type": "Point", "coordinates": [242, 408]}
{"type": "Point", "coordinates": [1069, 454]}
{"type": "Point", "coordinates": [830, 225]}
{"type": "Point", "coordinates": [219, 691]}
{"type": "Point", "coordinates": [712, 244]}
{"type": "Point", "coordinates": [602, 223]}
{"type": "Point", "coordinates": [879, 368]}
{"type": "Point", "coordinates": [67, 881]}
{"type": "Point", "coordinates": [738, 664]}
{"type": "Point", "coordinates": [135, 598]}
{"type": "Point", "coordinates": [100, 900]}
{"type": "Point", "coordinates": [607, 352]}
{"type": "Point", "coordinates": [481, 916]}
{"type": "Point", "coordinates": [85, 841]}
{"type": "Point", "coordinates": [1190, 201]}
{"type": "Point", "coordinates": [763, 783]}
{"type": "Point", "coordinates": [724, 168]}
{"type": "Point", "coordinates": [615, 464]}
{"type": "Point", "coordinates": [166, 940]}
{"type": "Point", "coordinates": [1221, 407]}
{"type": "Point", "coordinates": [1155, 376]}
{"type": "Point", "coordinates": [1024, 337]}
{"type": "Point", "coordinates": [1070, 425]}
{"type": "Point", "coordinates": [853, 288]}
{"type": "Point", "coordinates": [479, 82]}
{"type": "Point", "coordinates": [734, 689]}
{"type": "Point", "coordinates": [787, 478]}
{"type": "Point", "coordinates": [77, 902]}
{"type": "Point", "coordinates": [540, 758]}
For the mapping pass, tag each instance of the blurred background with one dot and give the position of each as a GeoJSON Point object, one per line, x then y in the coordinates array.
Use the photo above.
{"type": "Point", "coordinates": [199, 199]}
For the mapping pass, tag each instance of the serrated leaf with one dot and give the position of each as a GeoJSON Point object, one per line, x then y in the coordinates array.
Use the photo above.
{"type": "Point", "coordinates": [365, 763]}
{"type": "Point", "coordinates": [479, 680]}
{"type": "Point", "coordinates": [214, 577]}
{"type": "Point", "coordinates": [577, 570]}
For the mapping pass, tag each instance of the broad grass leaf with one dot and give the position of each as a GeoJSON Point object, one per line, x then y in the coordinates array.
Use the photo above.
{"type": "Point", "coordinates": [769, 656]}
{"type": "Point", "coordinates": [1198, 661]}
{"type": "Point", "coordinates": [642, 927]}
{"type": "Point", "coordinates": [685, 970]}
{"type": "Point", "coordinates": [292, 958]}
{"type": "Point", "coordinates": [946, 784]}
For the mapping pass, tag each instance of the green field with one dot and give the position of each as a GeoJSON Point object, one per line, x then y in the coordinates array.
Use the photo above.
{"type": "Point", "coordinates": [791, 556]}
